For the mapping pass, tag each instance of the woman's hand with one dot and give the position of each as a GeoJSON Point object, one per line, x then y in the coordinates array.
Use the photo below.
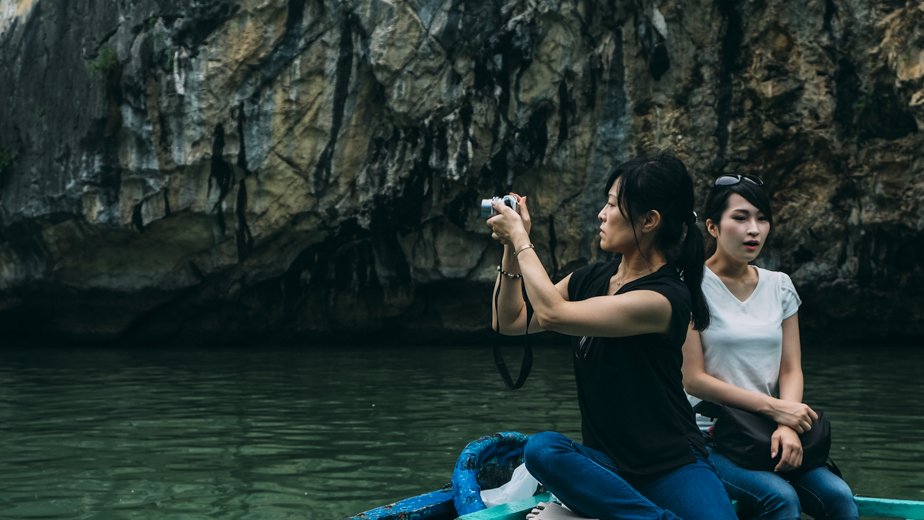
{"type": "Point", "coordinates": [786, 441]}
{"type": "Point", "coordinates": [510, 227]}
{"type": "Point", "coordinates": [798, 416]}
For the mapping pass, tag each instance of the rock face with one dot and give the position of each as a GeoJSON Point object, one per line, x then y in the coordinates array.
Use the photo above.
{"type": "Point", "coordinates": [221, 171]}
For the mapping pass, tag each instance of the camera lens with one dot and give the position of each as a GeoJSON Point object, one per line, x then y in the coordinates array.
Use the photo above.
{"type": "Point", "coordinates": [487, 211]}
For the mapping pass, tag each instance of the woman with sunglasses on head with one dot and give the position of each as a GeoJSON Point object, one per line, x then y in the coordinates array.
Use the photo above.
{"type": "Point", "coordinates": [750, 358]}
{"type": "Point", "coordinates": [642, 455]}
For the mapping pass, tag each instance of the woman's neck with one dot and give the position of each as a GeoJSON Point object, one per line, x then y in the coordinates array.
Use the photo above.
{"type": "Point", "coordinates": [637, 264]}
{"type": "Point", "coordinates": [728, 267]}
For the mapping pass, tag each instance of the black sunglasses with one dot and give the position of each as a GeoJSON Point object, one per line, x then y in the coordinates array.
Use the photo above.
{"type": "Point", "coordinates": [731, 180]}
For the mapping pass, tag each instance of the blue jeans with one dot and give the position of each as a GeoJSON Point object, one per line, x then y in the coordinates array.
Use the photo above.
{"type": "Point", "coordinates": [587, 481]}
{"type": "Point", "coordinates": [768, 495]}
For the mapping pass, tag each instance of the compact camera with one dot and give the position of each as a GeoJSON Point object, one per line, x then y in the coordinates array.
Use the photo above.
{"type": "Point", "coordinates": [487, 211]}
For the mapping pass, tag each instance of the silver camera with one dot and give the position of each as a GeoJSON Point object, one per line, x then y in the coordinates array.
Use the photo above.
{"type": "Point", "coordinates": [487, 211]}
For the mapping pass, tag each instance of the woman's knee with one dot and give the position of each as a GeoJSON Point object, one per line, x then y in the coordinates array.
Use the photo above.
{"type": "Point", "coordinates": [782, 501]}
{"type": "Point", "coordinates": [540, 444]}
{"type": "Point", "coordinates": [540, 448]}
{"type": "Point", "coordinates": [842, 497]}
{"type": "Point", "coordinates": [765, 498]}
{"type": "Point", "coordinates": [834, 500]}
{"type": "Point", "coordinates": [842, 506]}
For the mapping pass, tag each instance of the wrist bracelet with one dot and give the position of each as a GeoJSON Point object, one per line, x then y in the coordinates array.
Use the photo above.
{"type": "Point", "coordinates": [513, 276]}
{"type": "Point", "coordinates": [524, 248]}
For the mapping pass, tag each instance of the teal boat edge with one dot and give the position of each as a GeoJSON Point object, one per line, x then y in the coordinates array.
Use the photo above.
{"type": "Point", "coordinates": [890, 508]}
{"type": "Point", "coordinates": [512, 511]}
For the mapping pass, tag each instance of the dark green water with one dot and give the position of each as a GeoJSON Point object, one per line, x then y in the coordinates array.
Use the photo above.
{"type": "Point", "coordinates": [323, 433]}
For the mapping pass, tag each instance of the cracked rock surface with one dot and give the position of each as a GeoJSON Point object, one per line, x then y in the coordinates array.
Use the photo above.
{"type": "Point", "coordinates": [215, 171]}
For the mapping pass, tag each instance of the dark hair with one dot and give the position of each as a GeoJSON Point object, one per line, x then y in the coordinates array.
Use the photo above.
{"type": "Point", "coordinates": [662, 183]}
{"type": "Point", "coordinates": [717, 203]}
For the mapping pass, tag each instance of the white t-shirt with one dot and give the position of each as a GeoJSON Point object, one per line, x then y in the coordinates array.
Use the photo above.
{"type": "Point", "coordinates": [743, 344]}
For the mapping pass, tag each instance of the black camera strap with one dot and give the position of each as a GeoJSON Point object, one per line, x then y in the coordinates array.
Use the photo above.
{"type": "Point", "coordinates": [527, 364]}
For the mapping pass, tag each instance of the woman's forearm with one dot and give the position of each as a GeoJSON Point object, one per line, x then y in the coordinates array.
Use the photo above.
{"type": "Point", "coordinates": [508, 310]}
{"type": "Point", "coordinates": [710, 388]}
{"type": "Point", "coordinates": [791, 385]}
{"type": "Point", "coordinates": [786, 412]}
{"type": "Point", "coordinates": [542, 293]}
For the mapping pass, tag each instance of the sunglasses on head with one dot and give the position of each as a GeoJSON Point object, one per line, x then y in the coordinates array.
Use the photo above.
{"type": "Point", "coordinates": [731, 180]}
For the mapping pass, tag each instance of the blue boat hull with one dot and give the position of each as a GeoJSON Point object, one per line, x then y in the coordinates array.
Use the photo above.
{"type": "Point", "coordinates": [484, 463]}
{"type": "Point", "coordinates": [436, 505]}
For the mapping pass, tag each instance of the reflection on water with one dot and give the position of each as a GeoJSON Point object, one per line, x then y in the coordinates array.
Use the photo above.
{"type": "Point", "coordinates": [323, 433]}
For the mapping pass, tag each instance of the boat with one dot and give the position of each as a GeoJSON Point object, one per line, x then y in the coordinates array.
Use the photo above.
{"type": "Point", "coordinates": [488, 462]}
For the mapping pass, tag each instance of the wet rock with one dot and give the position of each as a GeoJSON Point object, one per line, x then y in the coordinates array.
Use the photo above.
{"type": "Point", "coordinates": [236, 171]}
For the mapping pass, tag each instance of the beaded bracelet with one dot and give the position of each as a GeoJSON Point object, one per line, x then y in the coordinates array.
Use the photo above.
{"type": "Point", "coordinates": [524, 248]}
{"type": "Point", "coordinates": [514, 276]}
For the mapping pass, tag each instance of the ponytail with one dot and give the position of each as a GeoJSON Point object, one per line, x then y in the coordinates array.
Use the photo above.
{"type": "Point", "coordinates": [690, 264]}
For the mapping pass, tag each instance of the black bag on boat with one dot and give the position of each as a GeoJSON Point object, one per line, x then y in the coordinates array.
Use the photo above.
{"type": "Point", "coordinates": [744, 437]}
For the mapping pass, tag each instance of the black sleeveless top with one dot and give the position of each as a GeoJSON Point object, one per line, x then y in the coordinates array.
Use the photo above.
{"type": "Point", "coordinates": [630, 390]}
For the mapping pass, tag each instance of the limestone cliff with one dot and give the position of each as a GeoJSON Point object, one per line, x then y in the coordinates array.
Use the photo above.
{"type": "Point", "coordinates": [227, 170]}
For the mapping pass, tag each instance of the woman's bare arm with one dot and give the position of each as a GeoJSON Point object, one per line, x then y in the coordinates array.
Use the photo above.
{"type": "Point", "coordinates": [699, 383]}
{"type": "Point", "coordinates": [630, 314]}
{"type": "Point", "coordinates": [510, 306]}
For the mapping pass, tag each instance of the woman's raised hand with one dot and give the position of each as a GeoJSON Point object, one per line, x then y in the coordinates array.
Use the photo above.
{"type": "Point", "coordinates": [509, 226]}
{"type": "Point", "coordinates": [798, 416]}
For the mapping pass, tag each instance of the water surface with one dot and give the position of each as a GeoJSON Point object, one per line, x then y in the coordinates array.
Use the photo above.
{"type": "Point", "coordinates": [325, 432]}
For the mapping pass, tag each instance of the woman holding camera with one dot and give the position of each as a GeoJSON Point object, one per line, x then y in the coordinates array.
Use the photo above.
{"type": "Point", "coordinates": [750, 358]}
{"type": "Point", "coordinates": [642, 455]}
